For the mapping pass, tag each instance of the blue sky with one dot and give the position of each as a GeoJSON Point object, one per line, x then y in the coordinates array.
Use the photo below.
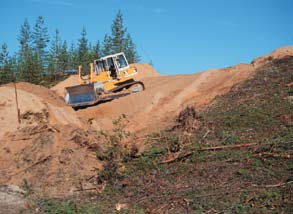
{"type": "Point", "coordinates": [179, 36]}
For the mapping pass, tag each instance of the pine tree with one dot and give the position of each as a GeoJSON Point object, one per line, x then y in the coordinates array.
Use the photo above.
{"type": "Point", "coordinates": [130, 50]}
{"type": "Point", "coordinates": [40, 39]}
{"type": "Point", "coordinates": [25, 37]}
{"type": "Point", "coordinates": [63, 57]}
{"type": "Point", "coordinates": [83, 56]}
{"type": "Point", "coordinates": [29, 65]}
{"type": "Point", "coordinates": [6, 74]}
{"type": "Point", "coordinates": [34, 67]}
{"type": "Point", "coordinates": [53, 62]}
{"type": "Point", "coordinates": [4, 55]}
{"type": "Point", "coordinates": [13, 66]}
{"type": "Point", "coordinates": [72, 58]}
{"type": "Point", "coordinates": [107, 46]}
{"type": "Point", "coordinates": [121, 40]}
{"type": "Point", "coordinates": [90, 52]}
{"type": "Point", "coordinates": [51, 67]}
{"type": "Point", "coordinates": [118, 33]}
{"type": "Point", "coordinates": [95, 52]}
{"type": "Point", "coordinates": [31, 68]}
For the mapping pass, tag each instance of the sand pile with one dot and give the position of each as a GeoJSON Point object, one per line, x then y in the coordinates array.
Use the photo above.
{"type": "Point", "coordinates": [49, 149]}
{"type": "Point", "coordinates": [60, 87]}
{"type": "Point", "coordinates": [165, 96]}
{"type": "Point", "coordinates": [276, 54]}
{"type": "Point", "coordinates": [144, 71]}
{"type": "Point", "coordinates": [36, 104]}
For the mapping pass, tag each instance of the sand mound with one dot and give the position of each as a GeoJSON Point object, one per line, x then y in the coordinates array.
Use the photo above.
{"type": "Point", "coordinates": [276, 54]}
{"type": "Point", "coordinates": [165, 96]}
{"type": "Point", "coordinates": [144, 71]}
{"type": "Point", "coordinates": [60, 87]}
{"type": "Point", "coordinates": [49, 148]}
{"type": "Point", "coordinates": [36, 104]}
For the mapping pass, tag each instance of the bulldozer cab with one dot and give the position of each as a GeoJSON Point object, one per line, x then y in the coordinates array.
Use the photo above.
{"type": "Point", "coordinates": [113, 64]}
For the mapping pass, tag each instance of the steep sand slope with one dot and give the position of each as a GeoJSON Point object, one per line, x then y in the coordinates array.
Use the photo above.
{"type": "Point", "coordinates": [154, 108]}
{"type": "Point", "coordinates": [165, 96]}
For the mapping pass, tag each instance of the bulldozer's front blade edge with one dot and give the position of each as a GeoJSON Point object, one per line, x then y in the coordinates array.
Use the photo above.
{"type": "Point", "coordinates": [80, 95]}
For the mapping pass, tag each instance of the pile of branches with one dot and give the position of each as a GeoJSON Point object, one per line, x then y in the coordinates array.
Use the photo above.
{"type": "Point", "coordinates": [188, 120]}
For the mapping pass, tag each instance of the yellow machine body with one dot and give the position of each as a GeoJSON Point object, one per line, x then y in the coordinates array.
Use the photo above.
{"type": "Point", "coordinates": [105, 77]}
{"type": "Point", "coordinates": [108, 76]}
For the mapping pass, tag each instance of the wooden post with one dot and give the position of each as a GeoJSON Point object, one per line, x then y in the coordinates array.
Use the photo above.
{"type": "Point", "coordinates": [80, 81]}
{"type": "Point", "coordinates": [16, 100]}
{"type": "Point", "coordinates": [92, 72]}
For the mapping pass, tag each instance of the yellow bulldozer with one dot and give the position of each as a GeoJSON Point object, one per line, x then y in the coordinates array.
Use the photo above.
{"type": "Point", "coordinates": [110, 77]}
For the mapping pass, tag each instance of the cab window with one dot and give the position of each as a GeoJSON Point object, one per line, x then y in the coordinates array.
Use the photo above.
{"type": "Point", "coordinates": [121, 61]}
{"type": "Point", "coordinates": [110, 62]}
{"type": "Point", "coordinates": [100, 67]}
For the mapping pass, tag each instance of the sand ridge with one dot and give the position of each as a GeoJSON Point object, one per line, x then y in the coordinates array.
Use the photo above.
{"type": "Point", "coordinates": [165, 96]}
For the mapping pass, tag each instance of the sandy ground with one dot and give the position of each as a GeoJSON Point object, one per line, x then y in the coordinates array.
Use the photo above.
{"type": "Point", "coordinates": [54, 160]}
{"type": "Point", "coordinates": [52, 147]}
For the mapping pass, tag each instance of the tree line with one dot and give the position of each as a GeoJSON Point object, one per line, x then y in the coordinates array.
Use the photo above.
{"type": "Point", "coordinates": [41, 59]}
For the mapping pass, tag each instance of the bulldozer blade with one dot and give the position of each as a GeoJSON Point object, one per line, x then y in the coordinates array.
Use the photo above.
{"type": "Point", "coordinates": [80, 95]}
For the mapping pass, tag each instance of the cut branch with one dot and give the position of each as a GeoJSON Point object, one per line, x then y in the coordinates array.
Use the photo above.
{"type": "Point", "coordinates": [180, 155]}
{"type": "Point", "coordinates": [237, 146]}
{"type": "Point", "coordinates": [273, 185]}
{"type": "Point", "coordinates": [287, 156]}
{"type": "Point", "coordinates": [49, 157]}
